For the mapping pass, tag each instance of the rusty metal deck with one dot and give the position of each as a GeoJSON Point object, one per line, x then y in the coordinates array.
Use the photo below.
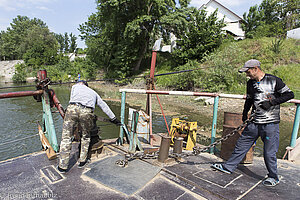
{"type": "Point", "coordinates": [35, 177]}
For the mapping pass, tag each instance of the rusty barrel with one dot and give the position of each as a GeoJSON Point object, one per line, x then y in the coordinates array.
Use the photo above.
{"type": "Point", "coordinates": [232, 121]}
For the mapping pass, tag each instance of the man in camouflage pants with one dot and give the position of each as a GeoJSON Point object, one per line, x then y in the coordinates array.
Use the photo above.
{"type": "Point", "coordinates": [80, 111]}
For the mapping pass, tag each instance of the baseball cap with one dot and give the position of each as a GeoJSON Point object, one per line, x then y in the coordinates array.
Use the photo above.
{"type": "Point", "coordinates": [249, 64]}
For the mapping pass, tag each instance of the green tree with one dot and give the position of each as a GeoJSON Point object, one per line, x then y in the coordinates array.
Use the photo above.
{"type": "Point", "coordinates": [61, 41]}
{"type": "Point", "coordinates": [272, 18]}
{"type": "Point", "coordinates": [121, 33]}
{"type": "Point", "coordinates": [11, 40]}
{"type": "Point", "coordinates": [252, 20]}
{"type": "Point", "coordinates": [269, 11]}
{"type": "Point", "coordinates": [66, 43]}
{"type": "Point", "coordinates": [289, 11]}
{"type": "Point", "coordinates": [73, 44]}
{"type": "Point", "coordinates": [203, 34]}
{"type": "Point", "coordinates": [41, 47]}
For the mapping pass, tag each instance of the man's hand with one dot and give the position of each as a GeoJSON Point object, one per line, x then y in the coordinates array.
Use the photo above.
{"type": "Point", "coordinates": [116, 121]}
{"type": "Point", "coordinates": [265, 105]}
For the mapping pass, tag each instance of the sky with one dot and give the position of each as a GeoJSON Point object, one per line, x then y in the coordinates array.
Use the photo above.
{"type": "Point", "coordinates": [65, 15]}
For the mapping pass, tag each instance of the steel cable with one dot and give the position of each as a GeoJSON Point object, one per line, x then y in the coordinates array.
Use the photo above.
{"type": "Point", "coordinates": [111, 79]}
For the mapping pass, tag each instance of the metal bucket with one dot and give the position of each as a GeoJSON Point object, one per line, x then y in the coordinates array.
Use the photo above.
{"type": "Point", "coordinates": [231, 121]}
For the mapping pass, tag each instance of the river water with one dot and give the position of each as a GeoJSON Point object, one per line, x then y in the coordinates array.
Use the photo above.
{"type": "Point", "coordinates": [19, 117]}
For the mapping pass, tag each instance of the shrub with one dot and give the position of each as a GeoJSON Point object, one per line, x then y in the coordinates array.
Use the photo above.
{"type": "Point", "coordinates": [20, 73]}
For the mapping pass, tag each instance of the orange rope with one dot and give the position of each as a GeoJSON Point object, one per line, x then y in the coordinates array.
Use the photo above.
{"type": "Point", "coordinates": [162, 111]}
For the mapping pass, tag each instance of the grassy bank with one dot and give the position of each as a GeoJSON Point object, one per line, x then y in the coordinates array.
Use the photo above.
{"type": "Point", "coordinates": [219, 69]}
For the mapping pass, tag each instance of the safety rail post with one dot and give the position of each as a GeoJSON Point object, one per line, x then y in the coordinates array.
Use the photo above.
{"type": "Point", "coordinates": [48, 124]}
{"type": "Point", "coordinates": [214, 123]}
{"type": "Point", "coordinates": [295, 127]}
{"type": "Point", "coordinates": [123, 103]}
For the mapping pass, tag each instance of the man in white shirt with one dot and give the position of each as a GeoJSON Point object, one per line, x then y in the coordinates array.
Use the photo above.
{"type": "Point", "coordinates": [81, 110]}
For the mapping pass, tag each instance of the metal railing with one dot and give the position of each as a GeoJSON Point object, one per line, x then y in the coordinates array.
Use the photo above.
{"type": "Point", "coordinates": [216, 97]}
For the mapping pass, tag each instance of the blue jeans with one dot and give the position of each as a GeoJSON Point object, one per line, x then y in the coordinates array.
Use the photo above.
{"type": "Point", "coordinates": [269, 134]}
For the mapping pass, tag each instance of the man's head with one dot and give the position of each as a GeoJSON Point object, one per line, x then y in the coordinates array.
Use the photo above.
{"type": "Point", "coordinates": [252, 69]}
{"type": "Point", "coordinates": [83, 82]}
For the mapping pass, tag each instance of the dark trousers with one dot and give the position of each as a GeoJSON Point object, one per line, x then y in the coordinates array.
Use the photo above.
{"type": "Point", "coordinates": [269, 134]}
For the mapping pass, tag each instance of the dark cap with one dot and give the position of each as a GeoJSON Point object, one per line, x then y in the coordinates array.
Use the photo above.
{"type": "Point", "coordinates": [84, 82]}
{"type": "Point", "coordinates": [250, 64]}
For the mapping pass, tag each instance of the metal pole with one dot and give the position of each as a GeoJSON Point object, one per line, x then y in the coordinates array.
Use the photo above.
{"type": "Point", "coordinates": [214, 124]}
{"type": "Point", "coordinates": [150, 84]}
{"type": "Point", "coordinates": [123, 103]}
{"type": "Point", "coordinates": [295, 127]}
{"type": "Point", "coordinates": [178, 142]}
{"type": "Point", "coordinates": [150, 121]}
{"type": "Point", "coordinates": [20, 94]}
{"type": "Point", "coordinates": [164, 148]}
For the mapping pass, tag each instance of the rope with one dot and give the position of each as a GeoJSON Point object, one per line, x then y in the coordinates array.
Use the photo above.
{"type": "Point", "coordinates": [162, 111]}
{"type": "Point", "coordinates": [19, 139]}
{"type": "Point", "coordinates": [111, 79]}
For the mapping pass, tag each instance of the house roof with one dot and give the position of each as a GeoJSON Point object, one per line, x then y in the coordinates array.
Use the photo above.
{"type": "Point", "coordinates": [221, 6]}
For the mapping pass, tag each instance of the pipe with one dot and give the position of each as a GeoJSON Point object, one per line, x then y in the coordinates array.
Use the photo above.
{"type": "Point", "coordinates": [178, 142]}
{"type": "Point", "coordinates": [57, 103]}
{"type": "Point", "coordinates": [123, 101]}
{"type": "Point", "coordinates": [150, 120]}
{"type": "Point", "coordinates": [295, 127]}
{"type": "Point", "coordinates": [186, 93]}
{"type": "Point", "coordinates": [20, 94]}
{"type": "Point", "coordinates": [214, 123]}
{"type": "Point", "coordinates": [164, 148]}
{"type": "Point", "coordinates": [183, 93]}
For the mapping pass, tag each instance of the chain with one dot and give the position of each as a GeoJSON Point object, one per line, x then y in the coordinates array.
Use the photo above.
{"type": "Point", "coordinates": [196, 150]}
{"type": "Point", "coordinates": [137, 155]}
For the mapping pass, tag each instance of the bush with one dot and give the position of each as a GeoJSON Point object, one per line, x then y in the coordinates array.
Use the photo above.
{"type": "Point", "coordinates": [181, 81]}
{"type": "Point", "coordinates": [65, 70]}
{"type": "Point", "coordinates": [20, 73]}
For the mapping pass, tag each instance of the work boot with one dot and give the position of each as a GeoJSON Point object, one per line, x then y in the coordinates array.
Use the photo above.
{"type": "Point", "coordinates": [83, 164]}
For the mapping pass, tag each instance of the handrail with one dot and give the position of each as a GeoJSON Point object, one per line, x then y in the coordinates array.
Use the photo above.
{"type": "Point", "coordinates": [216, 101]}
{"type": "Point", "coordinates": [187, 93]}
{"type": "Point", "coordinates": [20, 94]}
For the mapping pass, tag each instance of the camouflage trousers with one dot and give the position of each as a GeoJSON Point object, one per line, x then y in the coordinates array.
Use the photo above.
{"type": "Point", "coordinates": [83, 117]}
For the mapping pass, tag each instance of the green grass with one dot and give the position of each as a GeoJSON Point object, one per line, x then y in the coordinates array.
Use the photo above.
{"type": "Point", "coordinates": [221, 66]}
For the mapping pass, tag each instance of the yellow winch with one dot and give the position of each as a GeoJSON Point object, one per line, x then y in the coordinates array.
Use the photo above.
{"type": "Point", "coordinates": [186, 130]}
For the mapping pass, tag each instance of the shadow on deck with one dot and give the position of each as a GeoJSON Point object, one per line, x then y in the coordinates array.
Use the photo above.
{"type": "Point", "coordinates": [35, 177]}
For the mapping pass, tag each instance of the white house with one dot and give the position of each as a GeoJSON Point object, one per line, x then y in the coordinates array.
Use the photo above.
{"type": "Point", "coordinates": [294, 33]}
{"type": "Point", "coordinates": [232, 20]}
{"type": "Point", "coordinates": [72, 56]}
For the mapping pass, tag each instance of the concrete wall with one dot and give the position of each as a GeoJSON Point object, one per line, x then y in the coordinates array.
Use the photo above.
{"type": "Point", "coordinates": [7, 69]}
